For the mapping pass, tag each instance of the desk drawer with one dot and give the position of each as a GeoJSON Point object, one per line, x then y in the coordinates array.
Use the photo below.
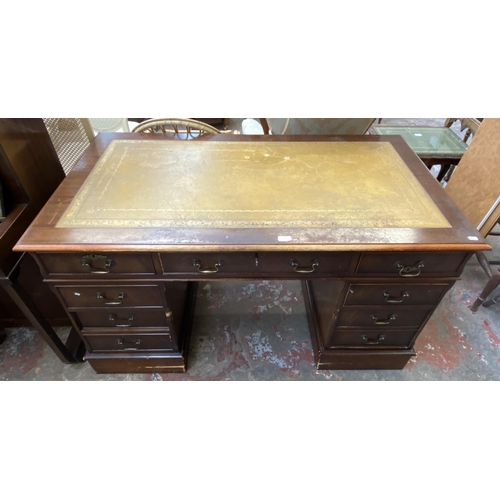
{"type": "Point", "coordinates": [128, 342]}
{"type": "Point", "coordinates": [122, 318]}
{"type": "Point", "coordinates": [304, 264]}
{"type": "Point", "coordinates": [411, 264]}
{"type": "Point", "coordinates": [406, 294]}
{"type": "Point", "coordinates": [379, 318]}
{"type": "Point", "coordinates": [106, 296]}
{"type": "Point", "coordinates": [372, 339]}
{"type": "Point", "coordinates": [97, 266]}
{"type": "Point", "coordinates": [208, 264]}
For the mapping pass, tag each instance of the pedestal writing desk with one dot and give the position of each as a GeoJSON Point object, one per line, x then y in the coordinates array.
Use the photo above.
{"type": "Point", "coordinates": [141, 219]}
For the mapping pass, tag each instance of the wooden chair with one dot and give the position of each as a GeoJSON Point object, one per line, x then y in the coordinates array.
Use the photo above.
{"type": "Point", "coordinates": [109, 124]}
{"type": "Point", "coordinates": [470, 125]}
{"type": "Point", "coordinates": [70, 137]}
{"type": "Point", "coordinates": [181, 128]}
{"type": "Point", "coordinates": [316, 126]}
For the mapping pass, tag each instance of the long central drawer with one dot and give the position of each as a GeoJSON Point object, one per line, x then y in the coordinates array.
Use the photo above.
{"type": "Point", "coordinates": [268, 264]}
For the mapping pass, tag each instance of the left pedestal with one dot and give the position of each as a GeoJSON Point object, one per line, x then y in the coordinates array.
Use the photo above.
{"type": "Point", "coordinates": [129, 319]}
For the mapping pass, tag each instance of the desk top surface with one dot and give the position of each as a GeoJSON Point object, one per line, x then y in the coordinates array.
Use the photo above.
{"type": "Point", "coordinates": [146, 192]}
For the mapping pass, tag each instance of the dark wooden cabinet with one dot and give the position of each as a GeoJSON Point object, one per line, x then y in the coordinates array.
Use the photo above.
{"type": "Point", "coordinates": [375, 256]}
{"type": "Point", "coordinates": [30, 172]}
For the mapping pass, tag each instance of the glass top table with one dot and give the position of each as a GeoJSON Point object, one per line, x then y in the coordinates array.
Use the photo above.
{"type": "Point", "coordinates": [427, 141]}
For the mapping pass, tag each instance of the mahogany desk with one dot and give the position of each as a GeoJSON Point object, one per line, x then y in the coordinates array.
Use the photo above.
{"type": "Point", "coordinates": [359, 220]}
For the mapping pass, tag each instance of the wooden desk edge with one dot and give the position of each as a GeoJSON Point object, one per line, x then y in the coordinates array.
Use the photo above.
{"type": "Point", "coordinates": [382, 247]}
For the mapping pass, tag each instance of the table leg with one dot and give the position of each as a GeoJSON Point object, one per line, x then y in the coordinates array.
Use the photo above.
{"type": "Point", "coordinates": [490, 286]}
{"type": "Point", "coordinates": [490, 302]}
{"type": "Point", "coordinates": [483, 261]}
{"type": "Point", "coordinates": [72, 351]}
{"type": "Point", "coordinates": [445, 168]}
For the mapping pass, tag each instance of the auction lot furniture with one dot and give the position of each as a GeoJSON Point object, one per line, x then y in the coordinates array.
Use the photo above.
{"type": "Point", "coordinates": [140, 220]}
{"type": "Point", "coordinates": [433, 145]}
{"type": "Point", "coordinates": [177, 127]}
{"type": "Point", "coordinates": [314, 126]}
{"type": "Point", "coordinates": [29, 173]}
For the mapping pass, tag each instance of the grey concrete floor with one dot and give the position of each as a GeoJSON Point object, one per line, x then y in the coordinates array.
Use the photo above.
{"type": "Point", "coordinates": [258, 331]}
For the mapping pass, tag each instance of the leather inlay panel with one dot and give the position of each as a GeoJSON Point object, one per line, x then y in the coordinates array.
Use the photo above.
{"type": "Point", "coordinates": [225, 184]}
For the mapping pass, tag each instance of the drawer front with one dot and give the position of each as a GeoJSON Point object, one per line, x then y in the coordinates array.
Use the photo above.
{"type": "Point", "coordinates": [128, 342]}
{"type": "Point", "coordinates": [372, 339]}
{"type": "Point", "coordinates": [381, 317]}
{"type": "Point", "coordinates": [122, 318]}
{"type": "Point", "coordinates": [395, 294]}
{"type": "Point", "coordinates": [207, 264]}
{"type": "Point", "coordinates": [305, 264]}
{"type": "Point", "coordinates": [110, 296]}
{"type": "Point", "coordinates": [97, 265]}
{"type": "Point", "coordinates": [411, 264]}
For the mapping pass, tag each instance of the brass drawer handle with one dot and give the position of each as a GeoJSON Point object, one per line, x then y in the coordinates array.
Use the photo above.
{"type": "Point", "coordinates": [409, 271]}
{"type": "Point", "coordinates": [207, 270]}
{"type": "Point", "coordinates": [376, 341]}
{"type": "Point", "coordinates": [303, 270]}
{"type": "Point", "coordinates": [123, 342]}
{"type": "Point", "coordinates": [112, 317]}
{"type": "Point", "coordinates": [111, 302]}
{"type": "Point", "coordinates": [395, 300]}
{"type": "Point", "coordinates": [88, 260]}
{"type": "Point", "coordinates": [377, 321]}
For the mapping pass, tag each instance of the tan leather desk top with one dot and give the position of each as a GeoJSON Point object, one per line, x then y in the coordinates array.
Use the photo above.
{"type": "Point", "coordinates": [227, 184]}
